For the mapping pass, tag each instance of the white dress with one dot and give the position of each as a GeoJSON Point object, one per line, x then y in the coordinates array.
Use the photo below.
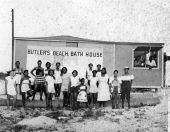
{"type": "Point", "coordinates": [65, 82]}
{"type": "Point", "coordinates": [103, 89]}
{"type": "Point", "coordinates": [11, 86]}
{"type": "Point", "coordinates": [25, 86]}
{"type": "Point", "coordinates": [18, 75]}
{"type": "Point", "coordinates": [89, 74]}
{"type": "Point", "coordinates": [98, 74]}
{"type": "Point", "coordinates": [50, 84]}
{"type": "Point", "coordinates": [93, 85]}
{"type": "Point", "coordinates": [82, 96]}
{"type": "Point", "coordinates": [57, 75]}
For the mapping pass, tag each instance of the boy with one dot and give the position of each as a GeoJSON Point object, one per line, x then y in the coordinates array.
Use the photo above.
{"type": "Point", "coordinates": [114, 83]}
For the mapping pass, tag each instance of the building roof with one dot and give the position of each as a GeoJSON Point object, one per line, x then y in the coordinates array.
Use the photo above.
{"type": "Point", "coordinates": [67, 38]}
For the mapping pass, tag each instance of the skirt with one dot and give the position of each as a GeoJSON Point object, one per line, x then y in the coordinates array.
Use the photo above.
{"type": "Point", "coordinates": [82, 97]}
{"type": "Point", "coordinates": [11, 91]}
{"type": "Point", "coordinates": [18, 78]}
{"type": "Point", "coordinates": [25, 88]}
{"type": "Point", "coordinates": [103, 92]}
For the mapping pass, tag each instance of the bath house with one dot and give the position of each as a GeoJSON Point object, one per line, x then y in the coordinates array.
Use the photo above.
{"type": "Point", "coordinates": [145, 60]}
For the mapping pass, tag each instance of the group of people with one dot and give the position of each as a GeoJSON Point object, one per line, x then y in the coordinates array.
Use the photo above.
{"type": "Point", "coordinates": [146, 60]}
{"type": "Point", "coordinates": [95, 88]}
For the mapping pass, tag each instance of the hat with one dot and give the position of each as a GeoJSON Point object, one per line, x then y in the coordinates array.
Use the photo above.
{"type": "Point", "coordinates": [126, 67]}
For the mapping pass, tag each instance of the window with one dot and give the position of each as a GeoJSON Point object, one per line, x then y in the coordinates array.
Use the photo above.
{"type": "Point", "coordinates": [146, 57]}
{"type": "Point", "coordinates": [71, 44]}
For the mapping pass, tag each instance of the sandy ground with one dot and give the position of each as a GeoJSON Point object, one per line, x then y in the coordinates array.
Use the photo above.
{"type": "Point", "coordinates": [143, 119]}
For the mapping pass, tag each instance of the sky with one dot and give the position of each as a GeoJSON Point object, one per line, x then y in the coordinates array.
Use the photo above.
{"type": "Point", "coordinates": [108, 20]}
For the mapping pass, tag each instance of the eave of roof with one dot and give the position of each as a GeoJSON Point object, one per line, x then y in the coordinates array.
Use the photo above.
{"type": "Point", "coordinates": [65, 38]}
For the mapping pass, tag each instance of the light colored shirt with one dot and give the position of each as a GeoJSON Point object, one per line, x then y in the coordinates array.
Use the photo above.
{"type": "Point", "coordinates": [57, 75]}
{"type": "Point", "coordinates": [74, 81]}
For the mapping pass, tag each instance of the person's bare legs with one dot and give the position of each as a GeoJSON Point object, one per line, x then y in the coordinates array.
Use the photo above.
{"type": "Point", "coordinates": [8, 101]}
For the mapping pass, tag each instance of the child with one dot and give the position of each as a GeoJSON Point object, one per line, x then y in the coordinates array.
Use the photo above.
{"type": "Point", "coordinates": [64, 87]}
{"type": "Point", "coordinates": [11, 89]}
{"type": "Point", "coordinates": [25, 87]}
{"type": "Point", "coordinates": [82, 96]}
{"type": "Point", "coordinates": [93, 88]}
{"type": "Point", "coordinates": [73, 90]}
{"type": "Point", "coordinates": [114, 83]}
{"type": "Point", "coordinates": [39, 84]}
{"type": "Point", "coordinates": [50, 87]}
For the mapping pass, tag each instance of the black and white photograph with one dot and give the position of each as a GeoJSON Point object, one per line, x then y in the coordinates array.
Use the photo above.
{"type": "Point", "coordinates": [84, 65]}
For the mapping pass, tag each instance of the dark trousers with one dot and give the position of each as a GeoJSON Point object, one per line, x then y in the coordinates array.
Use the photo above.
{"type": "Point", "coordinates": [65, 98]}
{"type": "Point", "coordinates": [125, 92]}
{"type": "Point", "coordinates": [102, 103]}
{"type": "Point", "coordinates": [41, 88]}
{"type": "Point", "coordinates": [57, 89]}
{"type": "Point", "coordinates": [73, 97]}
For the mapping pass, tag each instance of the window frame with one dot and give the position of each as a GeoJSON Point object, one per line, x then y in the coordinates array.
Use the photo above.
{"type": "Point", "coordinates": [143, 68]}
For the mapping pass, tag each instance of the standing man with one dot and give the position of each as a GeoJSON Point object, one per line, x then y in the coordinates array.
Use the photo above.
{"type": "Point", "coordinates": [127, 80]}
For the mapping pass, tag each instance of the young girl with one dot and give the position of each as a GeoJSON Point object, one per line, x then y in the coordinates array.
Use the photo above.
{"type": "Point", "coordinates": [25, 87]}
{"type": "Point", "coordinates": [50, 88]}
{"type": "Point", "coordinates": [64, 87]}
{"type": "Point", "coordinates": [82, 96]}
{"type": "Point", "coordinates": [11, 89]}
{"type": "Point", "coordinates": [115, 83]}
{"type": "Point", "coordinates": [93, 88]}
{"type": "Point", "coordinates": [103, 89]}
{"type": "Point", "coordinates": [48, 67]}
{"type": "Point", "coordinates": [74, 83]}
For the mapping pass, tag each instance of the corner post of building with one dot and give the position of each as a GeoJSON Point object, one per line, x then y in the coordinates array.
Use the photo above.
{"type": "Point", "coordinates": [12, 38]}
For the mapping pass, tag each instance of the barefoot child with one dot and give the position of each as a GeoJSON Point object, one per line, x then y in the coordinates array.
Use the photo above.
{"type": "Point", "coordinates": [50, 80]}
{"type": "Point", "coordinates": [114, 83]}
{"type": "Point", "coordinates": [82, 96]}
{"type": "Point", "coordinates": [25, 87]}
{"type": "Point", "coordinates": [11, 89]}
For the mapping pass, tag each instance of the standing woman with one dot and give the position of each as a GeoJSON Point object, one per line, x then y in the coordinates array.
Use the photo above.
{"type": "Point", "coordinates": [48, 67]}
{"type": "Point", "coordinates": [58, 80]}
{"type": "Point", "coordinates": [18, 74]}
{"type": "Point", "coordinates": [64, 87]}
{"type": "Point", "coordinates": [39, 63]}
{"type": "Point", "coordinates": [103, 89]}
{"type": "Point", "coordinates": [126, 79]}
